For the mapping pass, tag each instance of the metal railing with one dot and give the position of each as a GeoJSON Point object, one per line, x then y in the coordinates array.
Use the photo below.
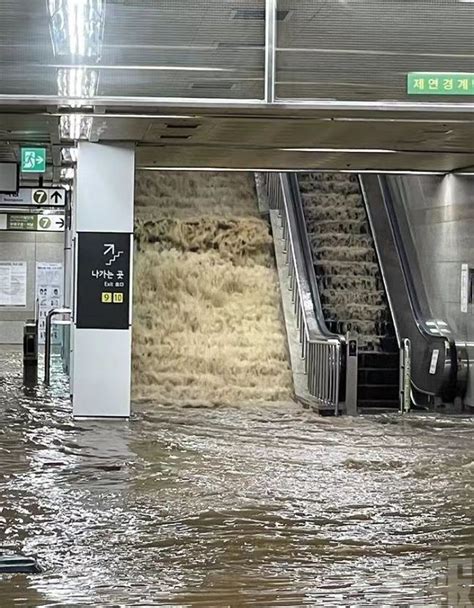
{"type": "Point", "coordinates": [322, 354]}
{"type": "Point", "coordinates": [47, 346]}
{"type": "Point", "coordinates": [405, 376]}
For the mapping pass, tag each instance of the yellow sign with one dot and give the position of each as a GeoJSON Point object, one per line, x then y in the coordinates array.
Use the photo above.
{"type": "Point", "coordinates": [118, 298]}
{"type": "Point", "coordinates": [106, 297]}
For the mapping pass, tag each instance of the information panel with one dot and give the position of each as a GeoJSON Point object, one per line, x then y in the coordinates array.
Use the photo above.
{"type": "Point", "coordinates": [103, 280]}
{"type": "Point", "coordinates": [49, 293]}
{"type": "Point", "coordinates": [12, 283]}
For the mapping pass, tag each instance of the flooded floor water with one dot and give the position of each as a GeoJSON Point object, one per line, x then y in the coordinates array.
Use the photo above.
{"type": "Point", "coordinates": [227, 507]}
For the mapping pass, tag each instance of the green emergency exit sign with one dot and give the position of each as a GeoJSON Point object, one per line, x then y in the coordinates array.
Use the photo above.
{"type": "Point", "coordinates": [33, 160]}
{"type": "Point", "coordinates": [440, 83]}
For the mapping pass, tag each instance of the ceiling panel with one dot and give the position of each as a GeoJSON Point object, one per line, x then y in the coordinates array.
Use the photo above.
{"type": "Point", "coordinates": [170, 48]}
{"type": "Point", "coordinates": [172, 83]}
{"type": "Point", "coordinates": [292, 131]}
{"type": "Point", "coordinates": [28, 79]}
{"type": "Point", "coordinates": [363, 49]}
{"type": "Point", "coordinates": [215, 53]}
{"type": "Point", "coordinates": [356, 50]}
{"type": "Point", "coordinates": [182, 156]}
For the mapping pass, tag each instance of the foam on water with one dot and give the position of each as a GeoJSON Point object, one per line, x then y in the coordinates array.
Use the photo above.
{"type": "Point", "coordinates": [208, 327]}
{"type": "Point", "coordinates": [346, 266]}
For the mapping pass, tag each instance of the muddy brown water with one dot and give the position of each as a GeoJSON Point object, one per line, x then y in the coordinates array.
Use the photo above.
{"type": "Point", "coordinates": [261, 506]}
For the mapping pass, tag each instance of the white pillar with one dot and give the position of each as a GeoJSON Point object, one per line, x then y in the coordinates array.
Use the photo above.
{"type": "Point", "coordinates": [102, 307]}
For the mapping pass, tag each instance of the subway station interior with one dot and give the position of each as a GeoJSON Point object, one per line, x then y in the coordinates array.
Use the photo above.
{"type": "Point", "coordinates": [237, 303]}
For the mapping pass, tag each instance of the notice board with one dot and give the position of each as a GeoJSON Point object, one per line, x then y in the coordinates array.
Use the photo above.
{"type": "Point", "coordinates": [49, 293]}
{"type": "Point", "coordinates": [13, 283]}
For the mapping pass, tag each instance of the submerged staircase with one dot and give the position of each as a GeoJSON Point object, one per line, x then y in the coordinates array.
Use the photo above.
{"type": "Point", "coordinates": [350, 282]}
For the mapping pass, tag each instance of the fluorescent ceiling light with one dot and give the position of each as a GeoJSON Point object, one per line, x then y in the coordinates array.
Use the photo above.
{"type": "Point", "coordinates": [77, 83]}
{"type": "Point", "coordinates": [67, 173]}
{"type": "Point", "coordinates": [341, 150]}
{"type": "Point", "coordinates": [75, 126]}
{"type": "Point", "coordinates": [69, 155]}
{"type": "Point", "coordinates": [77, 27]}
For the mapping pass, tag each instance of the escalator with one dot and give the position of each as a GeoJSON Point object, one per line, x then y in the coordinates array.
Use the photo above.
{"type": "Point", "coordinates": [365, 284]}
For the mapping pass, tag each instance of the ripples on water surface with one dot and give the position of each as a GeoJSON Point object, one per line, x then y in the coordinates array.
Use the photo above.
{"type": "Point", "coordinates": [227, 507]}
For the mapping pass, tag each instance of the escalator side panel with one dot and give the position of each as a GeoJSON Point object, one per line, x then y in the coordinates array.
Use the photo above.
{"type": "Point", "coordinates": [428, 378]}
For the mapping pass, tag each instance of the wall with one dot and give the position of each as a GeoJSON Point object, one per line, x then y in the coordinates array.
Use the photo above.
{"type": "Point", "coordinates": [440, 210]}
{"type": "Point", "coordinates": [30, 247]}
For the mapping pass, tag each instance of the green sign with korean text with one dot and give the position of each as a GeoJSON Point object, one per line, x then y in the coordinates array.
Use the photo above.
{"type": "Point", "coordinates": [33, 160]}
{"type": "Point", "coordinates": [21, 222]}
{"type": "Point", "coordinates": [440, 83]}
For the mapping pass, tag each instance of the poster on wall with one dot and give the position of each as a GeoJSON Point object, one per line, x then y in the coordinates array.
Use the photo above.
{"type": "Point", "coordinates": [49, 294]}
{"type": "Point", "coordinates": [12, 283]}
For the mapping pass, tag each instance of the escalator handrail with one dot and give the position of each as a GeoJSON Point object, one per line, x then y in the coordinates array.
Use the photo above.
{"type": "Point", "coordinates": [323, 353]}
{"type": "Point", "coordinates": [417, 307]}
{"type": "Point", "coordinates": [307, 254]}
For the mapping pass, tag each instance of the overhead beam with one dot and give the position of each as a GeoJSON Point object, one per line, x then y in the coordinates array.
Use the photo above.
{"type": "Point", "coordinates": [249, 105]}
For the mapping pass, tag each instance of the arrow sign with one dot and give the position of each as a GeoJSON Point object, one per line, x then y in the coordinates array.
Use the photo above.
{"type": "Point", "coordinates": [57, 197]}
{"type": "Point", "coordinates": [51, 223]}
{"type": "Point", "coordinates": [109, 248]}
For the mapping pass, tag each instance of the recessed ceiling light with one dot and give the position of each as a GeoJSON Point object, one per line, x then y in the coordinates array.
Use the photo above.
{"type": "Point", "coordinates": [69, 155]}
{"type": "Point", "coordinates": [77, 83]}
{"type": "Point", "coordinates": [75, 126]}
{"type": "Point", "coordinates": [67, 173]}
{"type": "Point", "coordinates": [77, 27]}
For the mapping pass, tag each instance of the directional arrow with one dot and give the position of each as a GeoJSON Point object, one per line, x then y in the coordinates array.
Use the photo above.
{"type": "Point", "coordinates": [60, 223]}
{"type": "Point", "coordinates": [56, 196]}
{"type": "Point", "coordinates": [109, 248]}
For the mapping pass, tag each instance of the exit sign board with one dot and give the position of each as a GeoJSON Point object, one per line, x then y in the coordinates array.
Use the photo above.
{"type": "Point", "coordinates": [440, 83]}
{"type": "Point", "coordinates": [33, 160]}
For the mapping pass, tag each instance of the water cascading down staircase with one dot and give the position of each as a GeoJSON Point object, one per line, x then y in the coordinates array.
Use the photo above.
{"type": "Point", "coordinates": [350, 281]}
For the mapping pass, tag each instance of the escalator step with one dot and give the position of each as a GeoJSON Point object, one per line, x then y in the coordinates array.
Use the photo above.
{"type": "Point", "coordinates": [377, 404]}
{"type": "Point", "coordinates": [377, 392]}
{"type": "Point", "coordinates": [375, 375]}
{"type": "Point", "coordinates": [345, 262]}
{"type": "Point", "coordinates": [379, 360]}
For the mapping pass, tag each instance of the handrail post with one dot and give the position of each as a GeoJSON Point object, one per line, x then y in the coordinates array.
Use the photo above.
{"type": "Point", "coordinates": [47, 344]}
{"type": "Point", "coordinates": [405, 376]}
{"type": "Point", "coordinates": [351, 373]}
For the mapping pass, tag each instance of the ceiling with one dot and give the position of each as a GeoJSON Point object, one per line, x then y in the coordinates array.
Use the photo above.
{"type": "Point", "coordinates": [185, 80]}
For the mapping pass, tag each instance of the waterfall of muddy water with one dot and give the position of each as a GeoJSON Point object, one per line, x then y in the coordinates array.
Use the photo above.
{"type": "Point", "coordinates": [347, 271]}
{"type": "Point", "coordinates": [207, 324]}
{"type": "Point", "coordinates": [266, 506]}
